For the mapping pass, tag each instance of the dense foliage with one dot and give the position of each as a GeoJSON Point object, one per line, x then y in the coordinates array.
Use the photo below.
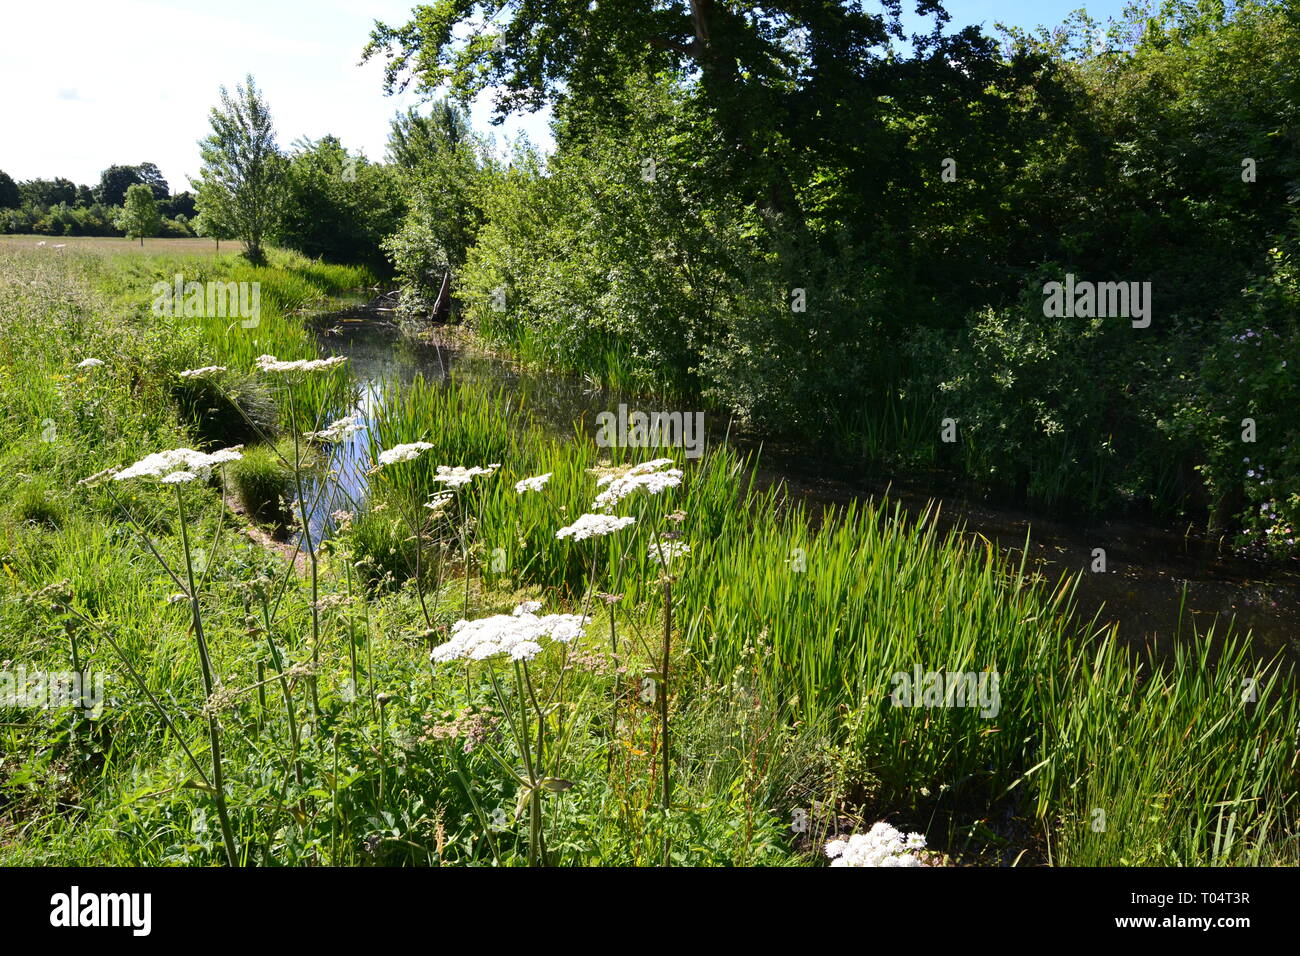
{"type": "Point", "coordinates": [788, 210]}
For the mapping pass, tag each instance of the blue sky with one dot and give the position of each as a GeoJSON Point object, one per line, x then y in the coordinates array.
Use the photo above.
{"type": "Point", "coordinates": [89, 83]}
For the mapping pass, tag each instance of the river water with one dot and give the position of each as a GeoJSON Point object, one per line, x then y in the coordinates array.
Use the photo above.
{"type": "Point", "coordinates": [1160, 584]}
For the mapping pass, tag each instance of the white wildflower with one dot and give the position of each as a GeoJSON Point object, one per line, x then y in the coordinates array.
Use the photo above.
{"type": "Point", "coordinates": [269, 363]}
{"type": "Point", "coordinates": [525, 651]}
{"type": "Point", "coordinates": [400, 453]}
{"type": "Point", "coordinates": [518, 635]}
{"type": "Point", "coordinates": [591, 526]}
{"type": "Point", "coordinates": [438, 503]}
{"type": "Point", "coordinates": [166, 465]}
{"type": "Point", "coordinates": [339, 430]}
{"type": "Point", "coordinates": [203, 372]}
{"type": "Point", "coordinates": [458, 476]}
{"type": "Point", "coordinates": [90, 363]}
{"type": "Point", "coordinates": [666, 551]}
{"type": "Point", "coordinates": [882, 845]}
{"type": "Point", "coordinates": [532, 484]}
{"type": "Point", "coordinates": [643, 477]}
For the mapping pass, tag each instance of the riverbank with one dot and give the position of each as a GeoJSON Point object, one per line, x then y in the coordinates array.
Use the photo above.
{"type": "Point", "coordinates": [1161, 584]}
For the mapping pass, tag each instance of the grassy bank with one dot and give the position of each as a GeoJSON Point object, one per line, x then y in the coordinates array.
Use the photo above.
{"type": "Point", "coordinates": [762, 663]}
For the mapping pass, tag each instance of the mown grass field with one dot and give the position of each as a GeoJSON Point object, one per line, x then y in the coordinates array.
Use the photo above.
{"type": "Point", "coordinates": [117, 246]}
{"type": "Point", "coordinates": [762, 664]}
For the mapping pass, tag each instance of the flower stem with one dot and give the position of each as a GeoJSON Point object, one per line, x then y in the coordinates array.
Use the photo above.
{"type": "Point", "coordinates": [214, 729]}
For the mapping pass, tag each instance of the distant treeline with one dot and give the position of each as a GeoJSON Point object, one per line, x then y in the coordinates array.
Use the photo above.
{"type": "Point", "coordinates": [60, 207]}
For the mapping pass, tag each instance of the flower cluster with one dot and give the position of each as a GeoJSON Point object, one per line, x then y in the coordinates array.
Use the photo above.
{"type": "Point", "coordinates": [400, 453]}
{"type": "Point", "coordinates": [666, 551]}
{"type": "Point", "coordinates": [458, 476]}
{"type": "Point", "coordinates": [203, 372]}
{"type": "Point", "coordinates": [269, 363]}
{"type": "Point", "coordinates": [518, 635]}
{"type": "Point", "coordinates": [643, 477]}
{"type": "Point", "coordinates": [438, 503]}
{"type": "Point", "coordinates": [178, 465]}
{"type": "Point", "coordinates": [882, 845]}
{"type": "Point", "coordinates": [532, 484]}
{"type": "Point", "coordinates": [339, 430]}
{"type": "Point", "coordinates": [89, 363]}
{"type": "Point", "coordinates": [592, 526]}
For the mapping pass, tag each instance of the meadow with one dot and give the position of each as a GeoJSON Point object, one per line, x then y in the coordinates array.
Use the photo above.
{"type": "Point", "coordinates": [713, 682]}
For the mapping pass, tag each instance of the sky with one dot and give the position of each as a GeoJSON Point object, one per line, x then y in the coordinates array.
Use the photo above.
{"type": "Point", "coordinates": [85, 84]}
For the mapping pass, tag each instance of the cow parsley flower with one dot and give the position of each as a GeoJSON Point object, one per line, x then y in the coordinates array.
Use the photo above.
{"type": "Point", "coordinates": [458, 476]}
{"type": "Point", "coordinates": [532, 484]}
{"type": "Point", "coordinates": [591, 526]}
{"type": "Point", "coordinates": [882, 845]}
{"type": "Point", "coordinates": [269, 363]}
{"type": "Point", "coordinates": [667, 551]}
{"type": "Point", "coordinates": [203, 372]}
{"type": "Point", "coordinates": [643, 477]}
{"type": "Point", "coordinates": [518, 635]}
{"type": "Point", "coordinates": [339, 430]}
{"type": "Point", "coordinates": [400, 453]}
{"type": "Point", "coordinates": [169, 465]}
{"type": "Point", "coordinates": [90, 363]}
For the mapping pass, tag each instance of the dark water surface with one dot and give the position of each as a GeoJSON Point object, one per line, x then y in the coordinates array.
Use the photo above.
{"type": "Point", "coordinates": [1160, 584]}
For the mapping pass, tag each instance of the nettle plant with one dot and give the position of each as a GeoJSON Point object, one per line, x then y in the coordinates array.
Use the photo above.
{"type": "Point", "coordinates": [540, 709]}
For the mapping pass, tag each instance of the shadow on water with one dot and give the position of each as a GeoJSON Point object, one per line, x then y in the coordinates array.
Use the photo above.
{"type": "Point", "coordinates": [1160, 585]}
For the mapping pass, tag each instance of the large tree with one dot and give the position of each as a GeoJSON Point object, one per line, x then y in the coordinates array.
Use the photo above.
{"type": "Point", "coordinates": [44, 193]}
{"type": "Point", "coordinates": [117, 179]}
{"type": "Point", "coordinates": [338, 206]}
{"type": "Point", "coordinates": [10, 197]}
{"type": "Point", "coordinates": [779, 78]}
{"type": "Point", "coordinates": [241, 183]}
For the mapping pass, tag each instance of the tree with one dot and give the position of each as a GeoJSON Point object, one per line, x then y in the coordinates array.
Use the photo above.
{"type": "Point", "coordinates": [10, 197]}
{"type": "Point", "coordinates": [44, 193]}
{"type": "Point", "coordinates": [337, 206]}
{"type": "Point", "coordinates": [114, 182]}
{"type": "Point", "coordinates": [152, 177]}
{"type": "Point", "coordinates": [139, 216]}
{"type": "Point", "coordinates": [180, 204]}
{"type": "Point", "coordinates": [774, 77]}
{"type": "Point", "coordinates": [208, 220]}
{"type": "Point", "coordinates": [415, 137]}
{"type": "Point", "coordinates": [442, 166]}
{"type": "Point", "coordinates": [241, 184]}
